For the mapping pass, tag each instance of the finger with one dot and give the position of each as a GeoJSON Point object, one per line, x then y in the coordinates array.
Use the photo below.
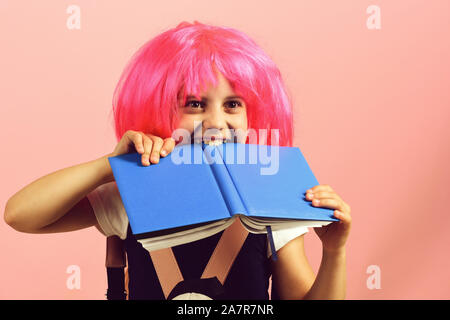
{"type": "Point", "coordinates": [167, 147]}
{"type": "Point", "coordinates": [322, 194]}
{"type": "Point", "coordinates": [320, 187]}
{"type": "Point", "coordinates": [157, 145]}
{"type": "Point", "coordinates": [148, 143]}
{"type": "Point", "coordinates": [330, 203]}
{"type": "Point", "coordinates": [345, 218]}
{"type": "Point", "coordinates": [136, 138]}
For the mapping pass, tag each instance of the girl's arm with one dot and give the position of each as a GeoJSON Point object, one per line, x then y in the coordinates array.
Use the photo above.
{"type": "Point", "coordinates": [293, 276]}
{"type": "Point", "coordinates": [331, 279]}
{"type": "Point", "coordinates": [294, 279]}
{"type": "Point", "coordinates": [57, 202]}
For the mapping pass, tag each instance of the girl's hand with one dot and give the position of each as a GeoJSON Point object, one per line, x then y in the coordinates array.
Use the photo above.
{"type": "Point", "coordinates": [151, 147]}
{"type": "Point", "coordinates": [334, 235]}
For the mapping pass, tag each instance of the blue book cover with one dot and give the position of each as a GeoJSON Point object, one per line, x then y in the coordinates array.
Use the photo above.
{"type": "Point", "coordinates": [197, 184]}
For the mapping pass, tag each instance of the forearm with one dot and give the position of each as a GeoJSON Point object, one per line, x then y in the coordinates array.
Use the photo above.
{"type": "Point", "coordinates": [330, 282]}
{"type": "Point", "coordinates": [47, 199]}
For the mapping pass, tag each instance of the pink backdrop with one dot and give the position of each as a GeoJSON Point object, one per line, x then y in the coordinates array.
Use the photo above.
{"type": "Point", "coordinates": [372, 111]}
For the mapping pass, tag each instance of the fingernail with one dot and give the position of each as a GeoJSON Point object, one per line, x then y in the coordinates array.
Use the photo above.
{"type": "Point", "coordinates": [163, 152]}
{"type": "Point", "coordinates": [316, 201]}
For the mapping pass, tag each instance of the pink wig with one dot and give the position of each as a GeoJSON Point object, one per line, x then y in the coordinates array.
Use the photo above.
{"type": "Point", "coordinates": [181, 61]}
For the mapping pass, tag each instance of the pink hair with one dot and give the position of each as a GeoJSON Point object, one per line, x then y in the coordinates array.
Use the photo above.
{"type": "Point", "coordinates": [183, 59]}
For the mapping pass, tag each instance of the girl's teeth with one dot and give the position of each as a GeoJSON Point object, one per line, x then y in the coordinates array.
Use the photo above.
{"type": "Point", "coordinates": [214, 142]}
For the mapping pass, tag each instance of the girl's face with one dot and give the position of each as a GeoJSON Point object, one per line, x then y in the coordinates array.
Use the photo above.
{"type": "Point", "coordinates": [219, 113]}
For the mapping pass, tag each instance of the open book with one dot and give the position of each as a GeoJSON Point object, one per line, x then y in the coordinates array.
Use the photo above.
{"type": "Point", "coordinates": [198, 190]}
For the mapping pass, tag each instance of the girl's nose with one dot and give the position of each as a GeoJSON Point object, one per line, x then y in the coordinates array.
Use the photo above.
{"type": "Point", "coordinates": [215, 120]}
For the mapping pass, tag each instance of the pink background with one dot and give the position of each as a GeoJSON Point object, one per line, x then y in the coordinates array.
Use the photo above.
{"type": "Point", "coordinates": [372, 111]}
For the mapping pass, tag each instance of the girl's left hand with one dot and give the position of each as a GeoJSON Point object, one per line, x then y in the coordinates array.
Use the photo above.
{"type": "Point", "coordinates": [334, 235]}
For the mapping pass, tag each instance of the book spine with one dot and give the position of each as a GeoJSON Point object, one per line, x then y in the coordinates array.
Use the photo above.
{"type": "Point", "coordinates": [224, 180]}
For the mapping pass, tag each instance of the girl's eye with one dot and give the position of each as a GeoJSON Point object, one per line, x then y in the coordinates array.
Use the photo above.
{"type": "Point", "coordinates": [198, 104]}
{"type": "Point", "coordinates": [234, 104]}
{"type": "Point", "coordinates": [193, 104]}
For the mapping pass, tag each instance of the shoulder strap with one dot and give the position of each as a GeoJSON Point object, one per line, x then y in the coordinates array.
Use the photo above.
{"type": "Point", "coordinates": [115, 264]}
{"type": "Point", "coordinates": [115, 252]}
{"type": "Point", "coordinates": [219, 264]}
{"type": "Point", "coordinates": [226, 251]}
{"type": "Point", "coordinates": [166, 268]}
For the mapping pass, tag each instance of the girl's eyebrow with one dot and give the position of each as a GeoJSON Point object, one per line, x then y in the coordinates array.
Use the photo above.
{"type": "Point", "coordinates": [206, 99]}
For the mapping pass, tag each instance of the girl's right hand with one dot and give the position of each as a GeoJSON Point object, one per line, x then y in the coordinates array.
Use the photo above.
{"type": "Point", "coordinates": [149, 146]}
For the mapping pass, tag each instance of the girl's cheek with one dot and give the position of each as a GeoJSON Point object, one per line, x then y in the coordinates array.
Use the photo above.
{"type": "Point", "coordinates": [187, 123]}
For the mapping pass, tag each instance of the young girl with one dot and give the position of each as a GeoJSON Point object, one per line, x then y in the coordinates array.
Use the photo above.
{"type": "Point", "coordinates": [205, 79]}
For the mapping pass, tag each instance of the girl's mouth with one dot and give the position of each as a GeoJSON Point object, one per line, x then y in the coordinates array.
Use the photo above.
{"type": "Point", "coordinates": [212, 141]}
